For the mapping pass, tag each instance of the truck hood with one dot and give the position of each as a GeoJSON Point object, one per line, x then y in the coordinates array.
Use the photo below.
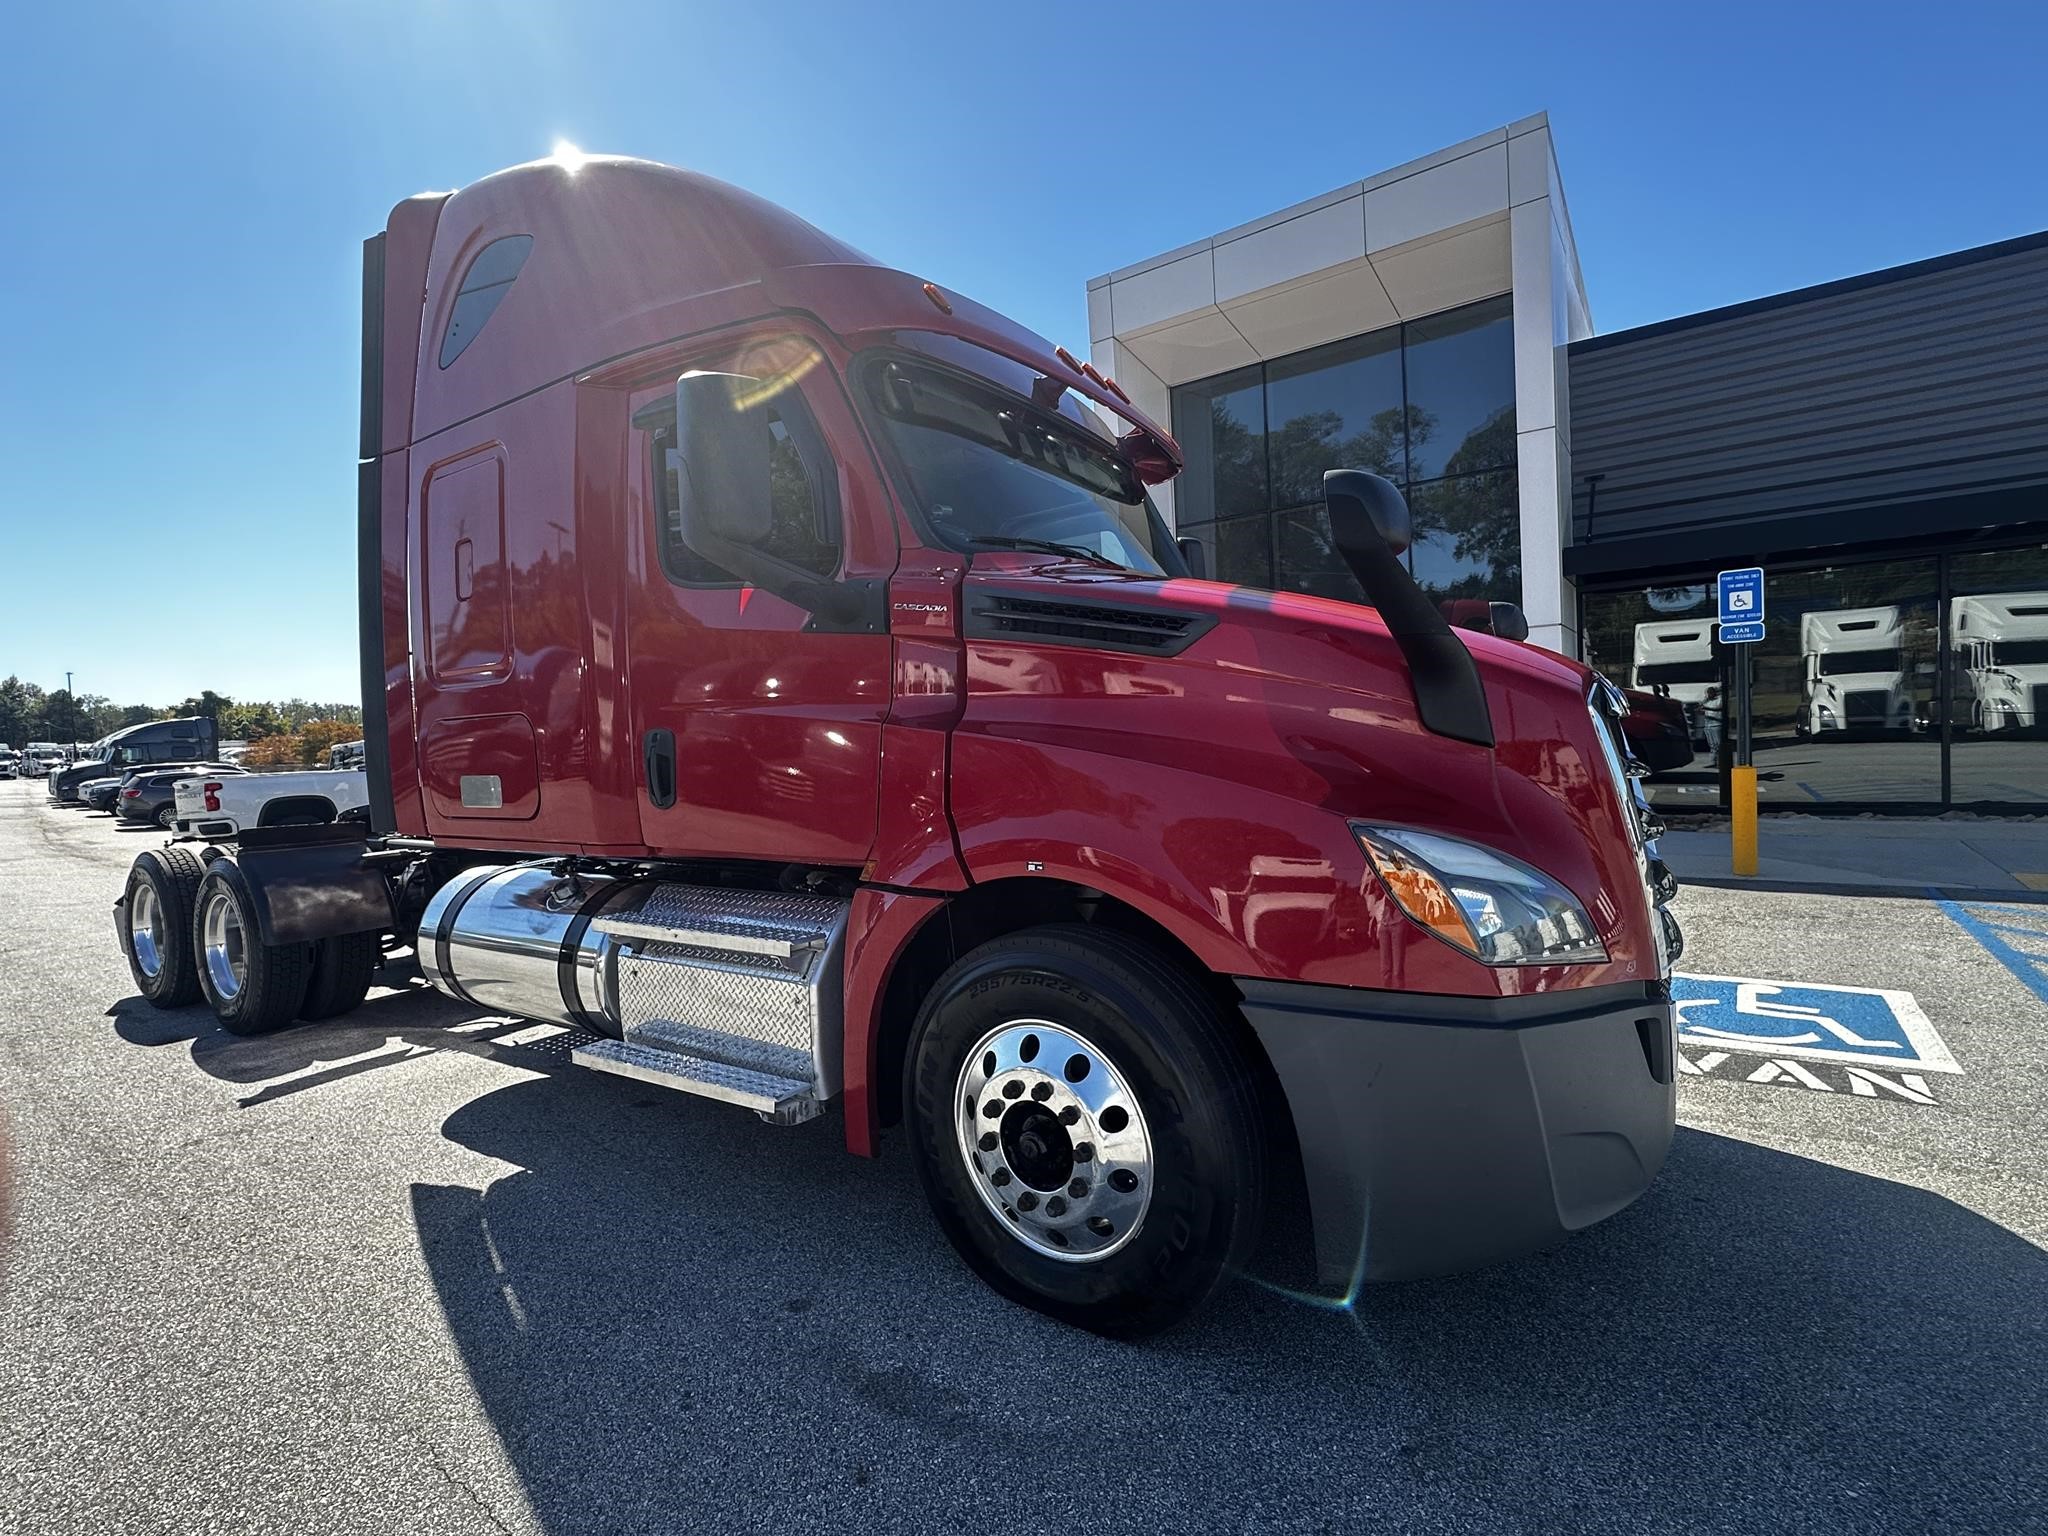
{"type": "Point", "coordinates": [1251, 712]}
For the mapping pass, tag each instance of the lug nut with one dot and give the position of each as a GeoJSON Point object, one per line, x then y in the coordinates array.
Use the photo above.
{"type": "Point", "coordinates": [990, 1141]}
{"type": "Point", "coordinates": [1012, 1088]}
{"type": "Point", "coordinates": [1000, 1177]}
{"type": "Point", "coordinates": [1083, 1151]}
{"type": "Point", "coordinates": [1055, 1206]}
{"type": "Point", "coordinates": [1078, 1189]}
{"type": "Point", "coordinates": [1042, 1092]}
{"type": "Point", "coordinates": [1027, 1201]}
{"type": "Point", "coordinates": [993, 1109]}
{"type": "Point", "coordinates": [1069, 1115]}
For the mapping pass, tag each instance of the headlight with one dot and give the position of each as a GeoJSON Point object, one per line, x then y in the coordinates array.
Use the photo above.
{"type": "Point", "coordinates": [1488, 905]}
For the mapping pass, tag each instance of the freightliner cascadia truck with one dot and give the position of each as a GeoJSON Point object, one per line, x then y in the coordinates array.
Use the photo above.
{"type": "Point", "coordinates": [775, 670]}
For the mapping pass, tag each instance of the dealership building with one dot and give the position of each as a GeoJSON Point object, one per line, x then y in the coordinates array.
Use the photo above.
{"type": "Point", "coordinates": [1879, 445]}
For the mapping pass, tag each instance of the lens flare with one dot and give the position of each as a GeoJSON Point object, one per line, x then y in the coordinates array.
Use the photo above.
{"type": "Point", "coordinates": [567, 156]}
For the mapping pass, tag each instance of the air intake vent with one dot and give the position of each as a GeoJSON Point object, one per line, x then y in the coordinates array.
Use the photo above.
{"type": "Point", "coordinates": [1095, 625]}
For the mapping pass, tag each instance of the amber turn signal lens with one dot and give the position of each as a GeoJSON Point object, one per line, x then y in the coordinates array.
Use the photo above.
{"type": "Point", "coordinates": [1421, 895]}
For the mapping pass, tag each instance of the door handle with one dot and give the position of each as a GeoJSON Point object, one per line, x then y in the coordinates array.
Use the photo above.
{"type": "Point", "coordinates": [658, 757]}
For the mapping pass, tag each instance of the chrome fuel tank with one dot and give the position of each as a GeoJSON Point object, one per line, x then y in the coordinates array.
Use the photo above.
{"type": "Point", "coordinates": [521, 939]}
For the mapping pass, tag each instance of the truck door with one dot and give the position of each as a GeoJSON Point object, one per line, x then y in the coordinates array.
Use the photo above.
{"type": "Point", "coordinates": [758, 724]}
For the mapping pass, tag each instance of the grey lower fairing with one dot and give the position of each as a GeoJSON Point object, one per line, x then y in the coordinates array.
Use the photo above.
{"type": "Point", "coordinates": [1441, 1134]}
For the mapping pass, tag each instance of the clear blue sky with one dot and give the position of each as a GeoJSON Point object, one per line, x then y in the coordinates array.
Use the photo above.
{"type": "Point", "coordinates": [187, 187]}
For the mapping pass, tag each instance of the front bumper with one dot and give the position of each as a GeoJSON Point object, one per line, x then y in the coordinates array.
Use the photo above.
{"type": "Point", "coordinates": [1444, 1133]}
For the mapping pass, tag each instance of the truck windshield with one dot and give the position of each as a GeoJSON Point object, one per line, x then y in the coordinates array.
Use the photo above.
{"type": "Point", "coordinates": [990, 470]}
{"type": "Point", "coordinates": [1849, 663]}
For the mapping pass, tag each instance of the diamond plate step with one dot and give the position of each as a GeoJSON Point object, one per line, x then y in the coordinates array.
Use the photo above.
{"type": "Point", "coordinates": [780, 1100]}
{"type": "Point", "coordinates": [783, 924]}
{"type": "Point", "coordinates": [745, 1052]}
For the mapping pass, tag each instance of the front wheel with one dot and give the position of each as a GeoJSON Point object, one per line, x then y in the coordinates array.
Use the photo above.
{"type": "Point", "coordinates": [1085, 1128]}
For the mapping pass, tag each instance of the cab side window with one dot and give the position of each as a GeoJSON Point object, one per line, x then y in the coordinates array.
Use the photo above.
{"type": "Point", "coordinates": [803, 493]}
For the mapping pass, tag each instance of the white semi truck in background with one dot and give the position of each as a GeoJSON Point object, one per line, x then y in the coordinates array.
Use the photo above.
{"type": "Point", "coordinates": [1854, 670]}
{"type": "Point", "coordinates": [1675, 659]}
{"type": "Point", "coordinates": [2000, 644]}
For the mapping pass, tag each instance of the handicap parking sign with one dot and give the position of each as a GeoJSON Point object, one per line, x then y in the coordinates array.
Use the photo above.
{"type": "Point", "coordinates": [1865, 1026]}
{"type": "Point", "coordinates": [1741, 594]}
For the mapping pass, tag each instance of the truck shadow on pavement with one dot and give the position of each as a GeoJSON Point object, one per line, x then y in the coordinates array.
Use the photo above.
{"type": "Point", "coordinates": [678, 1318]}
{"type": "Point", "coordinates": [671, 1304]}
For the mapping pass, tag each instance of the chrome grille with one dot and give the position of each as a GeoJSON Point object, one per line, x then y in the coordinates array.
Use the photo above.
{"type": "Point", "coordinates": [1608, 707]}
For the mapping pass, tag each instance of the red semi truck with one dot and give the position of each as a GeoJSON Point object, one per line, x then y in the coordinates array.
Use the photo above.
{"type": "Point", "coordinates": [775, 670]}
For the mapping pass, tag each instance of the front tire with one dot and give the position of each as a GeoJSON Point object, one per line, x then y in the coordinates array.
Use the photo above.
{"type": "Point", "coordinates": [252, 986]}
{"type": "Point", "coordinates": [154, 921]}
{"type": "Point", "coordinates": [165, 815]}
{"type": "Point", "coordinates": [1121, 1173]}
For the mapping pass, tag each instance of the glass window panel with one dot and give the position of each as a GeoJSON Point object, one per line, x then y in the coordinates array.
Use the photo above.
{"type": "Point", "coordinates": [1658, 645]}
{"type": "Point", "coordinates": [1221, 426]}
{"type": "Point", "coordinates": [1239, 551]}
{"type": "Point", "coordinates": [1307, 558]}
{"type": "Point", "coordinates": [1843, 686]}
{"type": "Point", "coordinates": [1337, 407]}
{"type": "Point", "coordinates": [1461, 390]}
{"type": "Point", "coordinates": [1998, 676]}
{"type": "Point", "coordinates": [1468, 537]}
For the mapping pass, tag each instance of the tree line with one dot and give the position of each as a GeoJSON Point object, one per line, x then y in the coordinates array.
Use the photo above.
{"type": "Point", "coordinates": [289, 730]}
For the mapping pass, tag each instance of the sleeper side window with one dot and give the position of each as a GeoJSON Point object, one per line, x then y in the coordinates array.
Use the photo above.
{"type": "Point", "coordinates": [483, 288]}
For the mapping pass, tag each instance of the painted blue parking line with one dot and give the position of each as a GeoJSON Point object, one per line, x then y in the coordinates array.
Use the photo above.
{"type": "Point", "coordinates": [1816, 794]}
{"type": "Point", "coordinates": [2031, 969]}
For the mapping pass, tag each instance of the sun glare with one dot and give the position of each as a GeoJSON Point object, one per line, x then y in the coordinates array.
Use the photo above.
{"type": "Point", "coordinates": [567, 156]}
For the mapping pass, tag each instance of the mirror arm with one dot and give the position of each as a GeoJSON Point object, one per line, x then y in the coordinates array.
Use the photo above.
{"type": "Point", "coordinates": [1450, 699]}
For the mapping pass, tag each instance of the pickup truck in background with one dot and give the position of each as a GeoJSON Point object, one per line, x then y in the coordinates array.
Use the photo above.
{"type": "Point", "coordinates": [221, 805]}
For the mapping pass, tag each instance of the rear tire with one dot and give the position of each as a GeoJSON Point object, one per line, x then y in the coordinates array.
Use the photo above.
{"type": "Point", "coordinates": [343, 968]}
{"type": "Point", "coordinates": [1123, 1172]}
{"type": "Point", "coordinates": [157, 908]}
{"type": "Point", "coordinates": [253, 987]}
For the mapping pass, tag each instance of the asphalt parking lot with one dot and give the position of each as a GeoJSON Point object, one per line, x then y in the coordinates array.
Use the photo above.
{"type": "Point", "coordinates": [414, 1271]}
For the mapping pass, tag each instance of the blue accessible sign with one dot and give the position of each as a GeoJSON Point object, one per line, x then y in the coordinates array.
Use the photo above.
{"type": "Point", "coordinates": [1742, 634]}
{"type": "Point", "coordinates": [1863, 1026]}
{"type": "Point", "coordinates": [1742, 596]}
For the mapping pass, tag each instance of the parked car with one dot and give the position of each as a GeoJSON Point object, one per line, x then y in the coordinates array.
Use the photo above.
{"type": "Point", "coordinates": [151, 796]}
{"type": "Point", "coordinates": [222, 804]}
{"type": "Point", "coordinates": [10, 763]}
{"type": "Point", "coordinates": [100, 794]}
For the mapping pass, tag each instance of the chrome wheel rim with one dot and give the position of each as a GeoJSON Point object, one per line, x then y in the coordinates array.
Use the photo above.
{"type": "Point", "coordinates": [224, 945]}
{"type": "Point", "coordinates": [145, 931]}
{"type": "Point", "coordinates": [1053, 1140]}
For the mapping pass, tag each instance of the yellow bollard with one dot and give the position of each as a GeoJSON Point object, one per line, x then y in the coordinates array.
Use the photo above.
{"type": "Point", "coordinates": [1742, 811]}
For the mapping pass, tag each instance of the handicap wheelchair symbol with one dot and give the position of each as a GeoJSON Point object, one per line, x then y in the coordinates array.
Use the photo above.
{"type": "Point", "coordinates": [1864, 1025]}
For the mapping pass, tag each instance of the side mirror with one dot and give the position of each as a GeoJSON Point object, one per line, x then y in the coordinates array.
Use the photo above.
{"type": "Point", "coordinates": [1509, 622]}
{"type": "Point", "coordinates": [723, 450]}
{"type": "Point", "coordinates": [1356, 494]}
{"type": "Point", "coordinates": [1195, 556]}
